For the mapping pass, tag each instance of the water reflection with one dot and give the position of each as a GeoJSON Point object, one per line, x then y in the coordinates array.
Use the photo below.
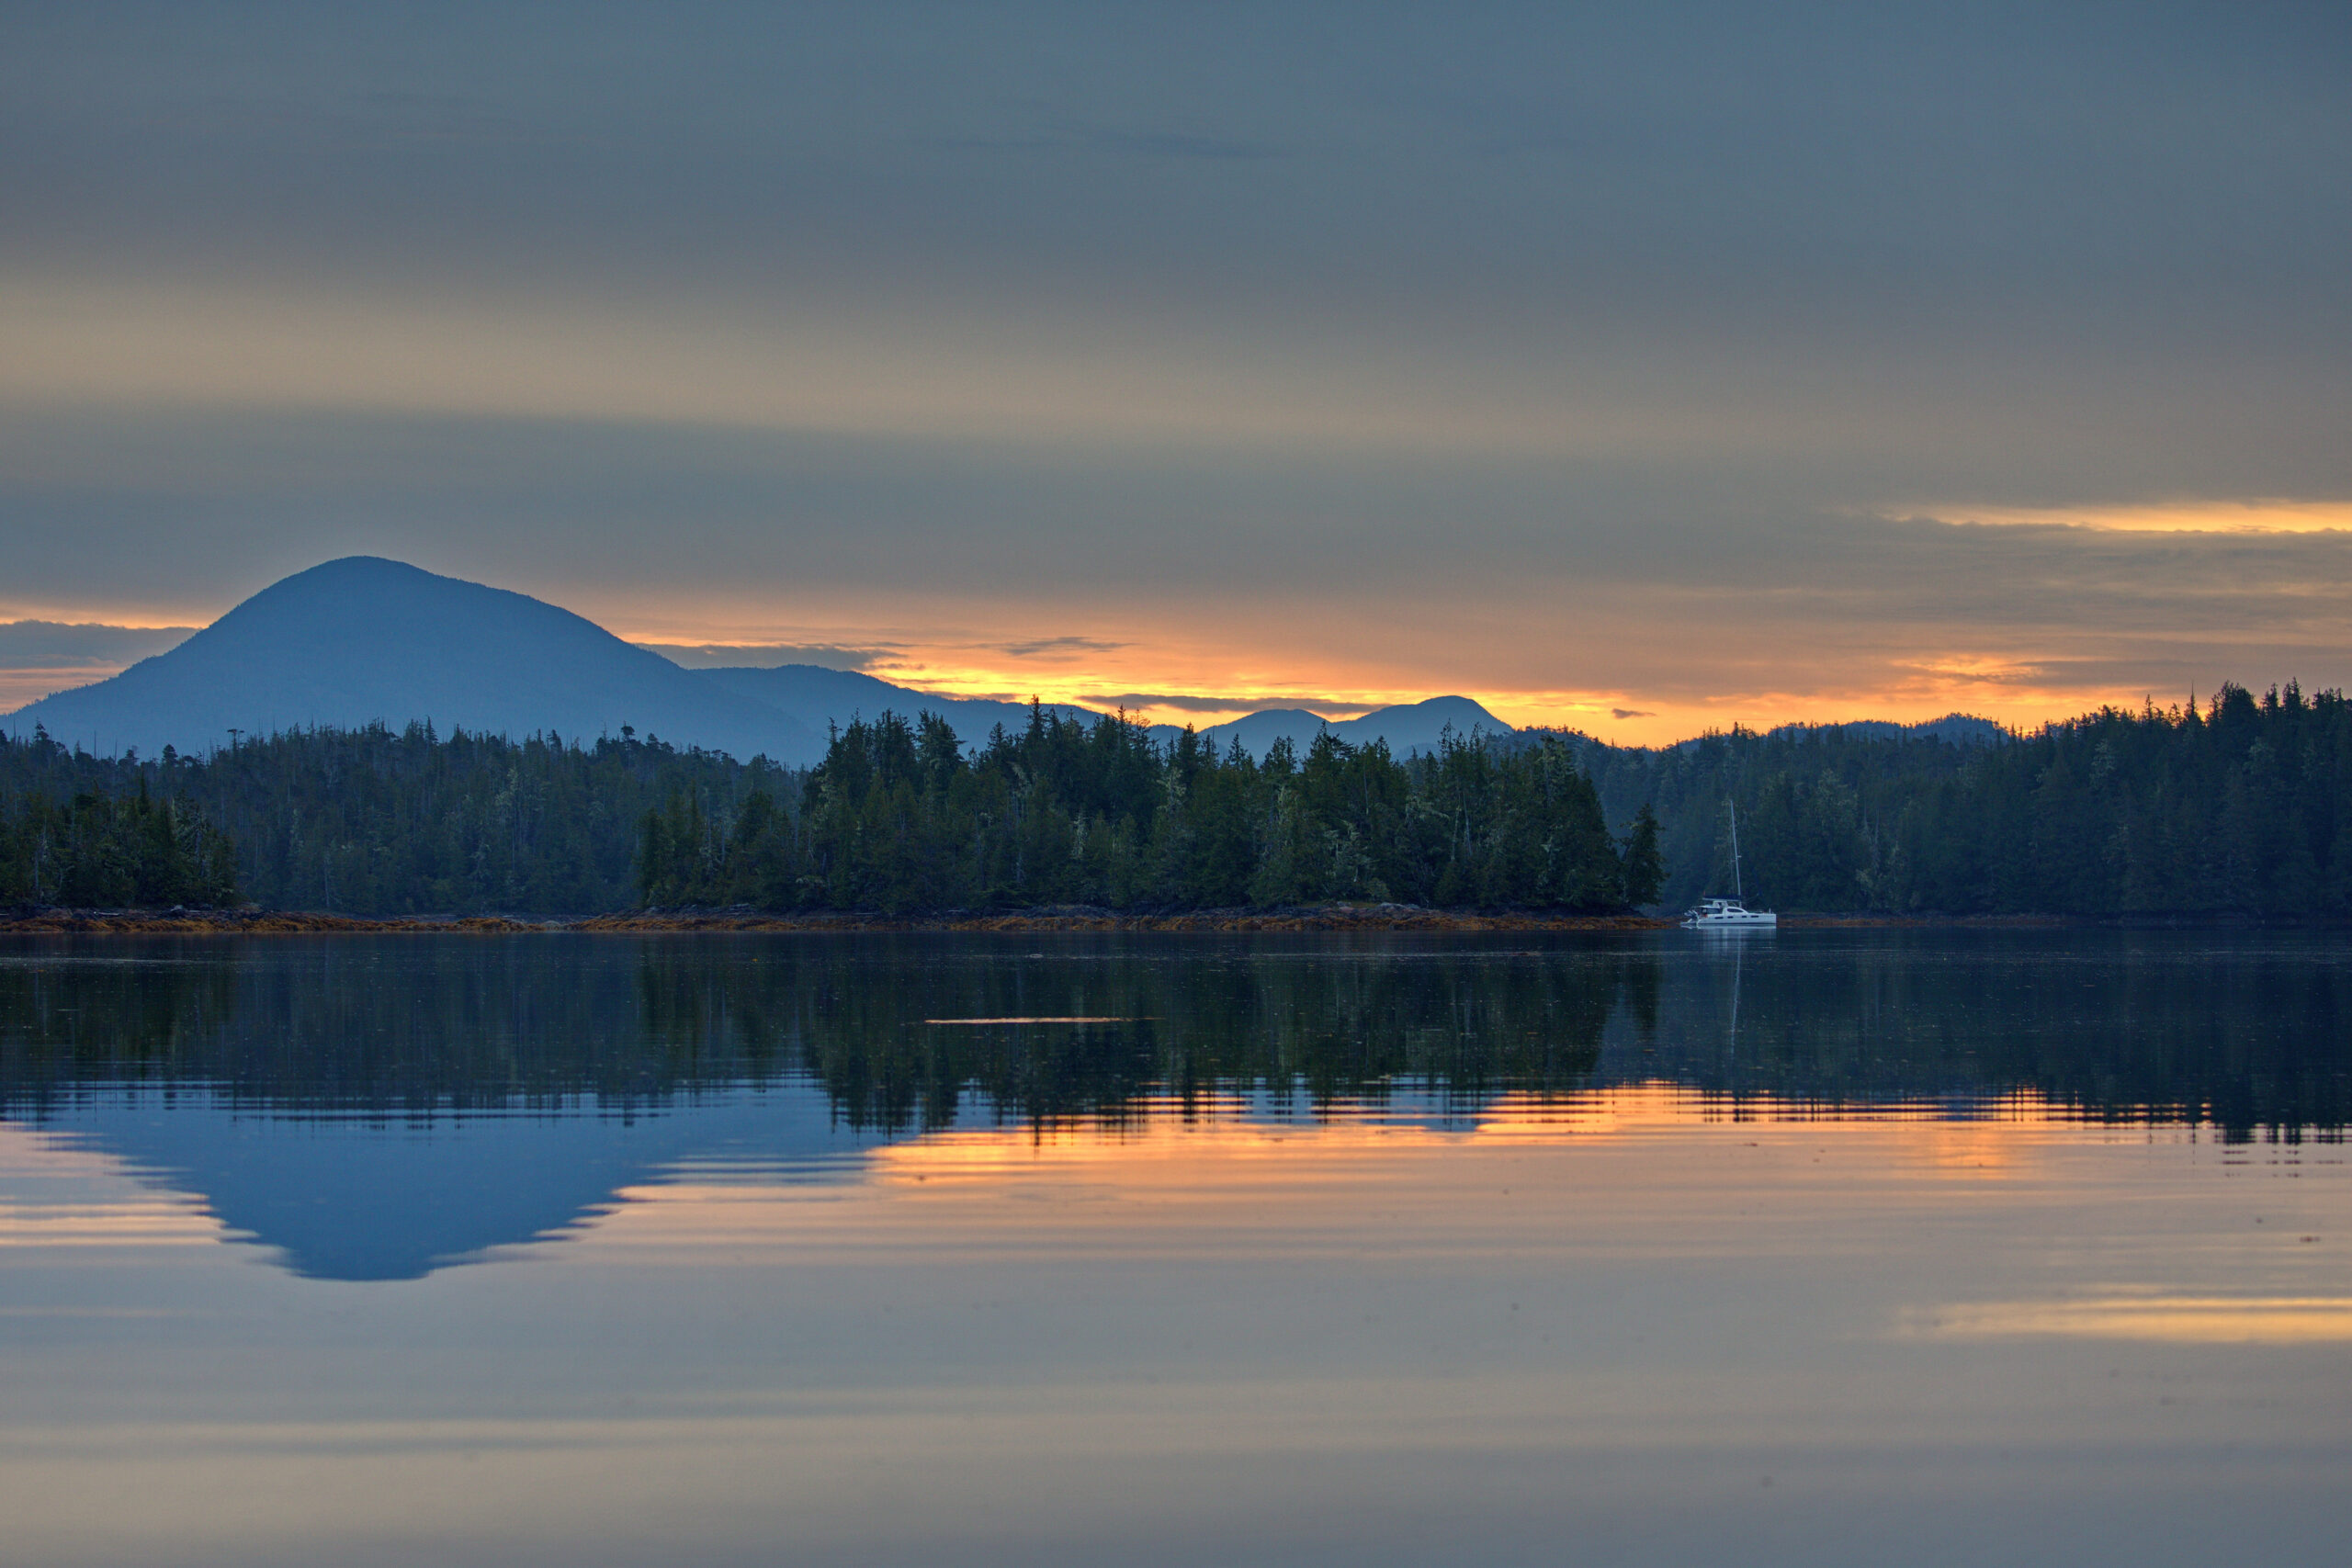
{"type": "Point", "coordinates": [2026, 1248]}
{"type": "Point", "coordinates": [2166, 1319]}
{"type": "Point", "coordinates": [2247, 1035]}
{"type": "Point", "coordinates": [376, 1107]}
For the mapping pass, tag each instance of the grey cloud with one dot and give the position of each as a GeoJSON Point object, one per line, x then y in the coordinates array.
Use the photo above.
{"type": "Point", "coordinates": [38, 658]}
{"type": "Point", "coordinates": [715, 656]}
{"type": "Point", "coordinates": [1644, 579]}
{"type": "Point", "coordinates": [1172, 700]}
{"type": "Point", "coordinates": [1630, 713]}
{"type": "Point", "coordinates": [1937, 174]}
{"type": "Point", "coordinates": [1751, 272]}
{"type": "Point", "coordinates": [1049, 646]}
{"type": "Point", "coordinates": [1327, 706]}
{"type": "Point", "coordinates": [55, 645]}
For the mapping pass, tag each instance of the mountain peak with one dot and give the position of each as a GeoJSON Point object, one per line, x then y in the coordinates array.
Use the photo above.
{"type": "Point", "coordinates": [363, 640]}
{"type": "Point", "coordinates": [1405, 728]}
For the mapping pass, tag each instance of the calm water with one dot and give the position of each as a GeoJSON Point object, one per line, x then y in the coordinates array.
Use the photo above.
{"type": "Point", "coordinates": [1826, 1247]}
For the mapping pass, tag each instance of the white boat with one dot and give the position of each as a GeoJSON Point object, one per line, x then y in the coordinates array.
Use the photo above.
{"type": "Point", "coordinates": [1716, 914]}
{"type": "Point", "coordinates": [1732, 913]}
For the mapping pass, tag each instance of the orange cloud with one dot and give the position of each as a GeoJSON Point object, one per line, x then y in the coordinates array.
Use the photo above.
{"type": "Point", "coordinates": [2257, 515]}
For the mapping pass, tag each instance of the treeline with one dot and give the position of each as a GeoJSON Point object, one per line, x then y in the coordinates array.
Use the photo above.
{"type": "Point", "coordinates": [379, 821]}
{"type": "Point", "coordinates": [902, 816]}
{"type": "Point", "coordinates": [2241, 808]}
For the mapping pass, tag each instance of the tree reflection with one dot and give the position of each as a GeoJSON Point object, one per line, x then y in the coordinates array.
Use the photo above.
{"type": "Point", "coordinates": [2244, 1038]}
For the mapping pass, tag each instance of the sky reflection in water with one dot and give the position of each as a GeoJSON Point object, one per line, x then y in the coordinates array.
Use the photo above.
{"type": "Point", "coordinates": [1951, 1248]}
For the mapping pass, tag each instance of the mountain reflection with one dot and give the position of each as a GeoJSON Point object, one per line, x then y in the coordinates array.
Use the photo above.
{"type": "Point", "coordinates": [375, 1108]}
{"type": "Point", "coordinates": [2247, 1039]}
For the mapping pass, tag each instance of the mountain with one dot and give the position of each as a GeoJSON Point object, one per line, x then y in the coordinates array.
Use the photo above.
{"type": "Point", "coordinates": [1258, 731]}
{"type": "Point", "coordinates": [362, 640]}
{"type": "Point", "coordinates": [369, 1198]}
{"type": "Point", "coordinates": [1955, 729]}
{"type": "Point", "coordinates": [813, 696]}
{"type": "Point", "coordinates": [1407, 727]}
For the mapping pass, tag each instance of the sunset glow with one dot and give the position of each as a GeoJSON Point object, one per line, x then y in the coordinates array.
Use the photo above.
{"type": "Point", "coordinates": [1164, 675]}
{"type": "Point", "coordinates": [2187, 516]}
{"type": "Point", "coordinates": [2156, 1316]}
{"type": "Point", "coordinates": [1332, 400]}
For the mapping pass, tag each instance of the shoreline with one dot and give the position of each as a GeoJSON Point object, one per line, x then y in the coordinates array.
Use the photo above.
{"type": "Point", "coordinates": [1313, 918]}
{"type": "Point", "coordinates": [288, 922]}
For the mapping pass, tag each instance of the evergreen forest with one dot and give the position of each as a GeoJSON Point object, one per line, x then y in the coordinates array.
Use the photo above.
{"type": "Point", "coordinates": [2241, 808]}
{"type": "Point", "coordinates": [901, 817]}
{"type": "Point", "coordinates": [99, 851]}
{"type": "Point", "coordinates": [2237, 808]}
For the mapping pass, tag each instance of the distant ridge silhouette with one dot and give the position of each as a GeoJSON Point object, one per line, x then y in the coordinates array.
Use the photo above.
{"type": "Point", "coordinates": [364, 641]}
{"type": "Point", "coordinates": [1407, 727]}
{"type": "Point", "coordinates": [815, 695]}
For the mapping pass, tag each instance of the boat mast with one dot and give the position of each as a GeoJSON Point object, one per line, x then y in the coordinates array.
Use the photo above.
{"type": "Point", "coordinates": [1737, 891]}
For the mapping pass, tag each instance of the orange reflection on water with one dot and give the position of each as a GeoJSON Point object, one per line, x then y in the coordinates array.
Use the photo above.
{"type": "Point", "coordinates": [1190, 1134]}
{"type": "Point", "coordinates": [1651, 1170]}
{"type": "Point", "coordinates": [2152, 1315]}
{"type": "Point", "coordinates": [63, 1196]}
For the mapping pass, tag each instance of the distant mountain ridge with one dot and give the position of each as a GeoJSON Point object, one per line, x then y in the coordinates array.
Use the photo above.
{"type": "Point", "coordinates": [1953, 728]}
{"type": "Point", "coordinates": [362, 640]}
{"type": "Point", "coordinates": [816, 694]}
{"type": "Point", "coordinates": [1407, 727]}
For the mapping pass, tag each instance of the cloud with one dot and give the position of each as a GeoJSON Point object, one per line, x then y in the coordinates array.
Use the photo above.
{"type": "Point", "coordinates": [1373, 351]}
{"type": "Point", "coordinates": [1050, 646]}
{"type": "Point", "coordinates": [1184, 702]}
{"type": "Point", "coordinates": [765, 655]}
{"type": "Point", "coordinates": [59, 645]}
{"type": "Point", "coordinates": [1718, 595]}
{"type": "Point", "coordinates": [1631, 713]}
{"type": "Point", "coordinates": [1181, 704]}
{"type": "Point", "coordinates": [38, 658]}
{"type": "Point", "coordinates": [2263, 515]}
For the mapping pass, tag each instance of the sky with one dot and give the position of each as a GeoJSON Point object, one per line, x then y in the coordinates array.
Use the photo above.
{"type": "Point", "coordinates": [1641, 369]}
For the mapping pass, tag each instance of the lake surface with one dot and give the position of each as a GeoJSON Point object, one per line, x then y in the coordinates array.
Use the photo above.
{"type": "Point", "coordinates": [1833, 1246]}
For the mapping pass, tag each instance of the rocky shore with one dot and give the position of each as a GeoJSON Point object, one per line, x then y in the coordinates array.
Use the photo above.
{"type": "Point", "coordinates": [1307, 918]}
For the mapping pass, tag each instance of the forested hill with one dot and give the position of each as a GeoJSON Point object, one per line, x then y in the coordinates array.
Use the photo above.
{"type": "Point", "coordinates": [2241, 808]}
{"type": "Point", "coordinates": [901, 817]}
{"type": "Point", "coordinates": [898, 818]}
{"type": "Point", "coordinates": [378, 822]}
{"type": "Point", "coordinates": [2238, 808]}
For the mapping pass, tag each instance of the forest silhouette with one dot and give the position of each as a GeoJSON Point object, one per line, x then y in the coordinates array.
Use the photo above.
{"type": "Point", "coordinates": [2239, 809]}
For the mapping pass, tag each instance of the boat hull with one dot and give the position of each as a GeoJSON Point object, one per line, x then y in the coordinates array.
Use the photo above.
{"type": "Point", "coordinates": [1727, 915]}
